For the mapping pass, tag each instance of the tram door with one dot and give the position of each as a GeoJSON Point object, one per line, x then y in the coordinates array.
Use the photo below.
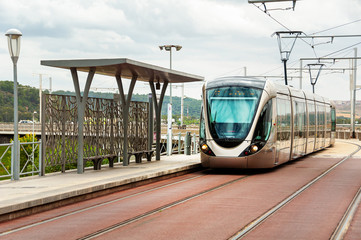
{"type": "Point", "coordinates": [283, 142]}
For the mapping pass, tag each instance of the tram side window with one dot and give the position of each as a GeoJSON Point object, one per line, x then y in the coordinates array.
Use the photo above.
{"type": "Point", "coordinates": [328, 120]}
{"type": "Point", "coordinates": [299, 118]}
{"type": "Point", "coordinates": [283, 119]}
{"type": "Point", "coordinates": [320, 120]}
{"type": "Point", "coordinates": [312, 119]}
{"type": "Point", "coordinates": [264, 124]}
{"type": "Point", "coordinates": [333, 119]}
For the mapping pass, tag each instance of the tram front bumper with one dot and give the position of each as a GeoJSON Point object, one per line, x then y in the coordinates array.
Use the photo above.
{"type": "Point", "coordinates": [223, 162]}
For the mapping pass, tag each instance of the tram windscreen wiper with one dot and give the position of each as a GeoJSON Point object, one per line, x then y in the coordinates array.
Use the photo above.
{"type": "Point", "coordinates": [215, 116]}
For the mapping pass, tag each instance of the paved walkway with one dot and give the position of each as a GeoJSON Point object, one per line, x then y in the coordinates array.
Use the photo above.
{"type": "Point", "coordinates": [36, 191]}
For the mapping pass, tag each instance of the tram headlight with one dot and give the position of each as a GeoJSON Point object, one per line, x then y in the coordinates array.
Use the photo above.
{"type": "Point", "coordinates": [253, 148]}
{"type": "Point", "coordinates": [206, 149]}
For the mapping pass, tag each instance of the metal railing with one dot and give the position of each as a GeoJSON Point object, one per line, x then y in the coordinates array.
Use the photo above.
{"type": "Point", "coordinates": [31, 151]}
{"type": "Point", "coordinates": [187, 144]}
{"type": "Point", "coordinates": [23, 127]}
{"type": "Point", "coordinates": [30, 160]}
{"type": "Point", "coordinates": [6, 162]}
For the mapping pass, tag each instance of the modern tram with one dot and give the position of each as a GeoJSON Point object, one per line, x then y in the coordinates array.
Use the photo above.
{"type": "Point", "coordinates": [252, 123]}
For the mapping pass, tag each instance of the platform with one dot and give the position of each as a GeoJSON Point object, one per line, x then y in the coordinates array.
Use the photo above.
{"type": "Point", "coordinates": [34, 194]}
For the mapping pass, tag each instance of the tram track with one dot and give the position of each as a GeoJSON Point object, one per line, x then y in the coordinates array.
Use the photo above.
{"type": "Point", "coordinates": [121, 224]}
{"type": "Point", "coordinates": [344, 223]}
{"type": "Point", "coordinates": [133, 219]}
{"type": "Point", "coordinates": [96, 206]}
{"type": "Point", "coordinates": [206, 186]}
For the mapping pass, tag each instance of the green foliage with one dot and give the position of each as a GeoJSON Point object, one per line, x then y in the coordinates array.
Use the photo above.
{"type": "Point", "coordinates": [343, 120]}
{"type": "Point", "coordinates": [28, 101]}
{"type": "Point", "coordinates": [28, 98]}
{"type": "Point", "coordinates": [191, 106]}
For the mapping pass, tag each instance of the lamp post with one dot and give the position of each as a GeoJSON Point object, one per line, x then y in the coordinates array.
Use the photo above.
{"type": "Point", "coordinates": [34, 125]}
{"type": "Point", "coordinates": [14, 37]}
{"type": "Point", "coordinates": [33, 149]}
{"type": "Point", "coordinates": [169, 48]}
{"type": "Point", "coordinates": [169, 139]}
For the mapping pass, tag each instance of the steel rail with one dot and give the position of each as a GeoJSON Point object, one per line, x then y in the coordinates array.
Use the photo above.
{"type": "Point", "coordinates": [255, 223]}
{"type": "Point", "coordinates": [346, 220]}
{"type": "Point", "coordinates": [96, 206]}
{"type": "Point", "coordinates": [154, 211]}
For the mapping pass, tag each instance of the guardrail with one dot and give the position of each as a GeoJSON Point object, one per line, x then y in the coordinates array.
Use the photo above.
{"type": "Point", "coordinates": [22, 127]}
{"type": "Point", "coordinates": [347, 134]}
{"type": "Point", "coordinates": [30, 160]}
{"type": "Point", "coordinates": [187, 144]}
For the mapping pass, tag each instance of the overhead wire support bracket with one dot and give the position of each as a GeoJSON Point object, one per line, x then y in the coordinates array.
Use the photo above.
{"type": "Point", "coordinates": [285, 51]}
{"type": "Point", "coordinates": [318, 67]}
{"type": "Point", "coordinates": [324, 36]}
{"type": "Point", "coordinates": [263, 2]}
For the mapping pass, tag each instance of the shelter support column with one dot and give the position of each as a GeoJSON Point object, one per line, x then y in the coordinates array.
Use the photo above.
{"type": "Point", "coordinates": [158, 110]}
{"type": "Point", "coordinates": [150, 122]}
{"type": "Point", "coordinates": [81, 103]}
{"type": "Point", "coordinates": [126, 106]}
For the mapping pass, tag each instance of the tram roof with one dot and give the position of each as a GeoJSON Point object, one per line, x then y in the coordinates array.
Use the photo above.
{"type": "Point", "coordinates": [127, 68]}
{"type": "Point", "coordinates": [236, 81]}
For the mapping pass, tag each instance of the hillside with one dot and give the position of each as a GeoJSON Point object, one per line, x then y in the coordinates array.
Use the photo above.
{"type": "Point", "coordinates": [192, 107]}
{"type": "Point", "coordinates": [343, 108]}
{"type": "Point", "coordinates": [28, 101]}
{"type": "Point", "coordinates": [28, 98]}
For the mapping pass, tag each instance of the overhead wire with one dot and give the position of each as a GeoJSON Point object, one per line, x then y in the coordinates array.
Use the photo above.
{"type": "Point", "coordinates": [309, 44]}
{"type": "Point", "coordinates": [341, 50]}
{"type": "Point", "coordinates": [342, 25]}
{"type": "Point", "coordinates": [274, 19]}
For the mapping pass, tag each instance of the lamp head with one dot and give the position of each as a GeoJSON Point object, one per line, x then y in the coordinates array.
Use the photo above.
{"type": "Point", "coordinates": [14, 36]}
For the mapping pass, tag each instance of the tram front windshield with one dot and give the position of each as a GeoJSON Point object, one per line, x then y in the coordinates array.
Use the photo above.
{"type": "Point", "coordinates": [231, 111]}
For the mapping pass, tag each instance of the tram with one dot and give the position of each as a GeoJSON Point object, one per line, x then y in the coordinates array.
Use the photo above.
{"type": "Point", "coordinates": [252, 123]}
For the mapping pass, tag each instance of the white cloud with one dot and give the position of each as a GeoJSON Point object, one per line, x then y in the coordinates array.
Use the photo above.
{"type": "Point", "coordinates": [218, 37]}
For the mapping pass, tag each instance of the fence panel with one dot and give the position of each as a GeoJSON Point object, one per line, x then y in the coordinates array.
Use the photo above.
{"type": "Point", "coordinates": [103, 129]}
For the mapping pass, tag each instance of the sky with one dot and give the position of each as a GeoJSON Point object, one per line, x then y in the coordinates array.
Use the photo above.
{"type": "Point", "coordinates": [218, 38]}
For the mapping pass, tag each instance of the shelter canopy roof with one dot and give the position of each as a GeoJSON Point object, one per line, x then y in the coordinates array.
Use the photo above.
{"type": "Point", "coordinates": [126, 68]}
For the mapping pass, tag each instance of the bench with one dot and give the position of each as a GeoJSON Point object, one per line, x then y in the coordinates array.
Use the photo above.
{"type": "Point", "coordinates": [97, 160]}
{"type": "Point", "coordinates": [139, 154]}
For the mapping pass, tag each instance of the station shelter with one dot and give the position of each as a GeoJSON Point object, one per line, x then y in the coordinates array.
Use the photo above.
{"type": "Point", "coordinates": [120, 68]}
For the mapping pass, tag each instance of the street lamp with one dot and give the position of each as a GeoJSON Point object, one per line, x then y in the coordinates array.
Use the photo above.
{"type": "Point", "coordinates": [169, 140]}
{"type": "Point", "coordinates": [33, 149]}
{"type": "Point", "coordinates": [34, 125]}
{"type": "Point", "coordinates": [14, 37]}
{"type": "Point", "coordinates": [169, 48]}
